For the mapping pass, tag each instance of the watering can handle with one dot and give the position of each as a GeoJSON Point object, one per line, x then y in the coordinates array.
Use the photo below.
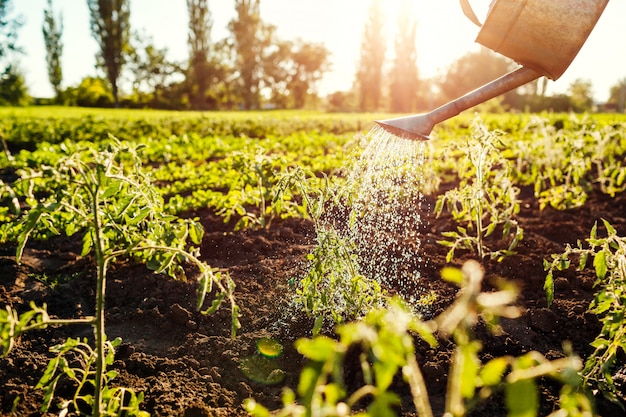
{"type": "Point", "coordinates": [469, 12]}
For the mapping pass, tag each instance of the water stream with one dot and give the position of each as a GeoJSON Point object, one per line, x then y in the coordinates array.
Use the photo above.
{"type": "Point", "coordinates": [386, 215]}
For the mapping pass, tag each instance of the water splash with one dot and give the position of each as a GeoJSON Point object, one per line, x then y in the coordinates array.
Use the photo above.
{"type": "Point", "coordinates": [386, 212]}
{"type": "Point", "coordinates": [377, 219]}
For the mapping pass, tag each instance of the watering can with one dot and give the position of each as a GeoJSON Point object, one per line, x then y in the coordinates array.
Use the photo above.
{"type": "Point", "coordinates": [543, 36]}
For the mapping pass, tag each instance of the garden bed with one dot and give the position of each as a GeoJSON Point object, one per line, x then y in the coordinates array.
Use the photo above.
{"type": "Point", "coordinates": [186, 364]}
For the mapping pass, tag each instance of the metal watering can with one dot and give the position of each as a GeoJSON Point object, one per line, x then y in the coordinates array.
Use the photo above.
{"type": "Point", "coordinates": [543, 36]}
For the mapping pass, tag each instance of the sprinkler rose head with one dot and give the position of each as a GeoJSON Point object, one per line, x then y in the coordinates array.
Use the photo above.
{"type": "Point", "coordinates": [416, 127]}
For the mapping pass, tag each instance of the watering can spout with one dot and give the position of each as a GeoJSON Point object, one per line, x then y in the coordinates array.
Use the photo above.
{"type": "Point", "coordinates": [418, 127]}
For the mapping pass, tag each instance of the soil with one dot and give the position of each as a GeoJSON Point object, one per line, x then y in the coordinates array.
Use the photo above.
{"type": "Point", "coordinates": [186, 363]}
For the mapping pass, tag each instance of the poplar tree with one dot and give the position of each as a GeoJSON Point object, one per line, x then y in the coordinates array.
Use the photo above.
{"type": "Point", "coordinates": [404, 77]}
{"type": "Point", "coordinates": [373, 47]}
{"type": "Point", "coordinates": [250, 35]}
{"type": "Point", "coordinates": [200, 25]}
{"type": "Point", "coordinates": [110, 27]}
{"type": "Point", "coordinates": [310, 61]}
{"type": "Point", "coordinates": [52, 31]}
{"type": "Point", "coordinates": [8, 30]}
{"type": "Point", "coordinates": [13, 89]}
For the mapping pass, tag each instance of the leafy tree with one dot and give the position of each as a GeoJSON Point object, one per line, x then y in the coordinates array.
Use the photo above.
{"type": "Point", "coordinates": [13, 91]}
{"type": "Point", "coordinates": [8, 30]}
{"type": "Point", "coordinates": [110, 27]}
{"type": "Point", "coordinates": [342, 101]}
{"type": "Point", "coordinates": [617, 96]}
{"type": "Point", "coordinates": [149, 68]}
{"type": "Point", "coordinates": [404, 77]}
{"type": "Point", "coordinates": [200, 25]}
{"type": "Point", "coordinates": [581, 94]}
{"type": "Point", "coordinates": [223, 89]}
{"type": "Point", "coordinates": [309, 63]}
{"type": "Point", "coordinates": [91, 92]}
{"type": "Point", "coordinates": [277, 64]}
{"type": "Point", "coordinates": [473, 70]}
{"type": "Point", "coordinates": [52, 31]}
{"type": "Point", "coordinates": [291, 69]}
{"type": "Point", "coordinates": [373, 47]}
{"type": "Point", "coordinates": [251, 37]}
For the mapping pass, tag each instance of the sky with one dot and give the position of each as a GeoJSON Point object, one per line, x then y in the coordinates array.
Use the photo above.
{"type": "Point", "coordinates": [444, 34]}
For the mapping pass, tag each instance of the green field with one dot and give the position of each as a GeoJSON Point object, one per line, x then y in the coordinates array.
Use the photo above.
{"type": "Point", "coordinates": [536, 199]}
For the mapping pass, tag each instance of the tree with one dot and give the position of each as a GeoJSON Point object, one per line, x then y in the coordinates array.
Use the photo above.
{"type": "Point", "coordinates": [404, 78]}
{"type": "Point", "coordinates": [251, 37]}
{"type": "Point", "coordinates": [91, 92]}
{"type": "Point", "coordinates": [13, 91]}
{"type": "Point", "coordinates": [309, 63]}
{"type": "Point", "coordinates": [473, 70]}
{"type": "Point", "coordinates": [617, 97]}
{"type": "Point", "coordinates": [149, 68]}
{"type": "Point", "coordinates": [277, 65]}
{"type": "Point", "coordinates": [8, 31]}
{"type": "Point", "coordinates": [110, 27]}
{"type": "Point", "coordinates": [200, 25]}
{"type": "Point", "coordinates": [581, 94]}
{"type": "Point", "coordinates": [373, 47]}
{"type": "Point", "coordinates": [52, 31]}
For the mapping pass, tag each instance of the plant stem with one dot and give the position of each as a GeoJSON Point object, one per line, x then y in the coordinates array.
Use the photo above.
{"type": "Point", "coordinates": [59, 322]}
{"type": "Point", "coordinates": [100, 336]}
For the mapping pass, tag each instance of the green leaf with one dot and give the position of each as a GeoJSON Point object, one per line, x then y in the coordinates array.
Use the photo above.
{"type": "Point", "coordinates": [599, 263]}
{"type": "Point", "coordinates": [594, 231]}
{"type": "Point", "coordinates": [48, 373]}
{"type": "Point", "coordinates": [451, 274]}
{"type": "Point", "coordinates": [548, 286]}
{"type": "Point", "coordinates": [33, 218]}
{"type": "Point", "coordinates": [319, 349]}
{"type": "Point", "coordinates": [492, 372]}
{"type": "Point", "coordinates": [600, 343]}
{"type": "Point", "coordinates": [384, 372]}
{"type": "Point", "coordinates": [195, 232]}
{"type": "Point", "coordinates": [308, 381]}
{"type": "Point", "coordinates": [87, 243]}
{"type": "Point", "coordinates": [333, 393]}
{"type": "Point", "coordinates": [139, 217]}
{"type": "Point", "coordinates": [112, 189]}
{"type": "Point", "coordinates": [467, 358]}
{"type": "Point", "coordinates": [217, 302]}
{"type": "Point", "coordinates": [582, 261]}
{"type": "Point", "coordinates": [384, 404]}
{"type": "Point", "coordinates": [609, 229]}
{"type": "Point", "coordinates": [49, 394]}
{"type": "Point", "coordinates": [522, 398]}
{"type": "Point", "coordinates": [450, 255]}
{"type": "Point", "coordinates": [255, 409]}
{"type": "Point", "coordinates": [317, 325]}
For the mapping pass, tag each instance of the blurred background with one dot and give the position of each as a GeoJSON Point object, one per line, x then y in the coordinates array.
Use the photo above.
{"type": "Point", "coordinates": [338, 55]}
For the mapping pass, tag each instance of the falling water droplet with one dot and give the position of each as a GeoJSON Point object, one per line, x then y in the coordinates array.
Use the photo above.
{"type": "Point", "coordinates": [386, 214]}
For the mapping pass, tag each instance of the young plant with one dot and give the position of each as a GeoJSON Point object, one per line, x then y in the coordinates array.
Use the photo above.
{"type": "Point", "coordinates": [106, 196]}
{"type": "Point", "coordinates": [555, 162]}
{"type": "Point", "coordinates": [385, 339]}
{"type": "Point", "coordinates": [333, 289]}
{"type": "Point", "coordinates": [116, 400]}
{"type": "Point", "coordinates": [608, 160]}
{"type": "Point", "coordinates": [485, 199]}
{"type": "Point", "coordinates": [609, 303]}
{"type": "Point", "coordinates": [256, 185]}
